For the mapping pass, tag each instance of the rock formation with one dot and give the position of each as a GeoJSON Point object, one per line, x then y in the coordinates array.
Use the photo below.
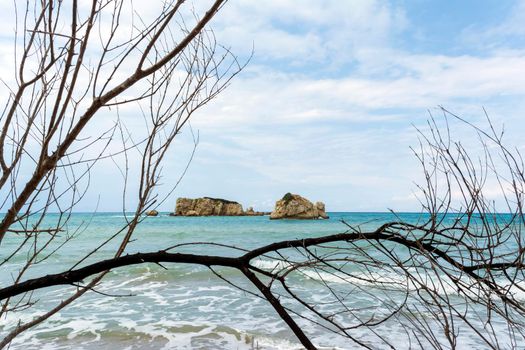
{"type": "Point", "coordinates": [152, 213]}
{"type": "Point", "coordinates": [207, 207]}
{"type": "Point", "coordinates": [251, 212]}
{"type": "Point", "coordinates": [293, 206]}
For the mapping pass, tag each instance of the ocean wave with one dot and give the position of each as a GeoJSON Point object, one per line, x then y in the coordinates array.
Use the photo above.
{"type": "Point", "coordinates": [274, 265]}
{"type": "Point", "coordinates": [89, 333]}
{"type": "Point", "coordinates": [392, 278]}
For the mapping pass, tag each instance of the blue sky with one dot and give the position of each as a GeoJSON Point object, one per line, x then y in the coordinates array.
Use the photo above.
{"type": "Point", "coordinates": [328, 105]}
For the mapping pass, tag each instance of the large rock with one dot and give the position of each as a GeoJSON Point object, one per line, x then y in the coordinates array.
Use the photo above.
{"type": "Point", "coordinates": [207, 207]}
{"type": "Point", "coordinates": [293, 206]}
{"type": "Point", "coordinates": [251, 212]}
{"type": "Point", "coordinates": [152, 213]}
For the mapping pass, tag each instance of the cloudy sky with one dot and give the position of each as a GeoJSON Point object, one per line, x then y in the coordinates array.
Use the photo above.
{"type": "Point", "coordinates": [328, 105]}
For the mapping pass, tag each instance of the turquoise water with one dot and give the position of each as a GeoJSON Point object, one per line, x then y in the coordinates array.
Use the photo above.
{"type": "Point", "coordinates": [184, 306]}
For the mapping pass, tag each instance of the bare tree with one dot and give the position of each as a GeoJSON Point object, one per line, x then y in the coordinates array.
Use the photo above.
{"type": "Point", "coordinates": [78, 65]}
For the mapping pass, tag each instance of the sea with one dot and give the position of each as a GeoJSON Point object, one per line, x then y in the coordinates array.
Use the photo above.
{"type": "Point", "coordinates": [182, 306]}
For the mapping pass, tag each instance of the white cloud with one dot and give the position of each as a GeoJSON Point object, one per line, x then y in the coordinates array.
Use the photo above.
{"type": "Point", "coordinates": [267, 96]}
{"type": "Point", "coordinates": [327, 32]}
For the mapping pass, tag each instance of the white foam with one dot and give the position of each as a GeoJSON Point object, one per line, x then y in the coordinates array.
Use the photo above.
{"type": "Point", "coordinates": [274, 265]}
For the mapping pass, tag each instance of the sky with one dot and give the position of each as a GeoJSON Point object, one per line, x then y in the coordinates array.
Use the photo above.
{"type": "Point", "coordinates": [329, 103]}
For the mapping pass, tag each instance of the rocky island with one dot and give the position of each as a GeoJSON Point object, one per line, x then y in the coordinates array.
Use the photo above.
{"type": "Point", "coordinates": [208, 206]}
{"type": "Point", "coordinates": [293, 206]}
